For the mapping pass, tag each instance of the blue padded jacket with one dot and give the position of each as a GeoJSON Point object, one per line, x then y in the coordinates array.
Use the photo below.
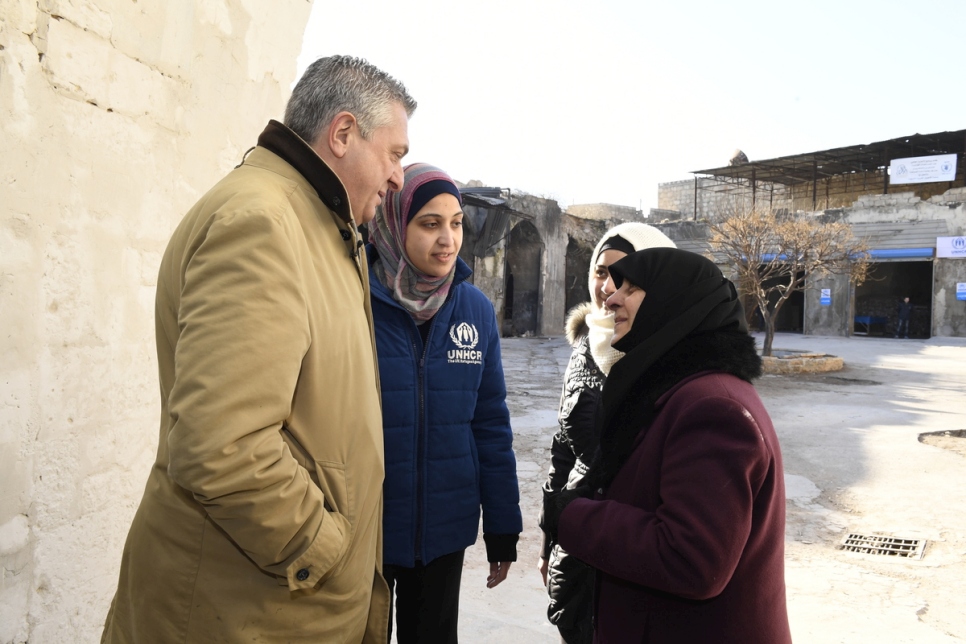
{"type": "Point", "coordinates": [449, 446]}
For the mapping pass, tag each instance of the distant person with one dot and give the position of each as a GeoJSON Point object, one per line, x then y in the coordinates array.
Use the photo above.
{"type": "Point", "coordinates": [449, 446]}
{"type": "Point", "coordinates": [685, 520]}
{"type": "Point", "coordinates": [261, 520]}
{"type": "Point", "coordinates": [590, 328]}
{"type": "Point", "coordinates": [903, 312]}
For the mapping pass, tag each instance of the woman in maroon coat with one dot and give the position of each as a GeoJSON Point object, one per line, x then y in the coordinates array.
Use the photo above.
{"type": "Point", "coordinates": [686, 526]}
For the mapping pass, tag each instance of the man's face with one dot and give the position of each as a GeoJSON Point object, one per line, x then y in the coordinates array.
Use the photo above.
{"type": "Point", "coordinates": [370, 167]}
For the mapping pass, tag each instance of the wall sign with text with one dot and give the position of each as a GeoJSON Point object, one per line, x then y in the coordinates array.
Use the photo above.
{"type": "Point", "coordinates": [951, 247]}
{"type": "Point", "coordinates": [941, 167]}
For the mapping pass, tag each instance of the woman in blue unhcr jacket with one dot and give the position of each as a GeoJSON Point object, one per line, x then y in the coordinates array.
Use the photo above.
{"type": "Point", "coordinates": [449, 446]}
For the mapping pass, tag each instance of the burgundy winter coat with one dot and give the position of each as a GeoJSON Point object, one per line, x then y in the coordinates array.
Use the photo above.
{"type": "Point", "coordinates": [689, 537]}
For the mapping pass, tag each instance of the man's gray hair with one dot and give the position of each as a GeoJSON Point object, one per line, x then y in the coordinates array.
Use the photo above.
{"type": "Point", "coordinates": [344, 84]}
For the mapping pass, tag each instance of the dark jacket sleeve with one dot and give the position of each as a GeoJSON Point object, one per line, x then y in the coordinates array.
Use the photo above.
{"type": "Point", "coordinates": [562, 461]}
{"type": "Point", "coordinates": [578, 410]}
{"type": "Point", "coordinates": [574, 444]}
{"type": "Point", "coordinates": [578, 424]}
{"type": "Point", "coordinates": [501, 547]}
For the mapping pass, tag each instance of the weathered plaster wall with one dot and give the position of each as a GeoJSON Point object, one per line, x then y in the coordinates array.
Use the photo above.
{"type": "Point", "coordinates": [552, 294]}
{"type": "Point", "coordinates": [949, 314]}
{"type": "Point", "coordinates": [489, 274]}
{"type": "Point", "coordinates": [115, 116]}
{"type": "Point", "coordinates": [830, 319]}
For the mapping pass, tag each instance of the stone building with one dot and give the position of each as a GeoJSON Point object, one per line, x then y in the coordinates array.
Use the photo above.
{"type": "Point", "coordinates": [904, 225]}
{"type": "Point", "coordinates": [115, 117]}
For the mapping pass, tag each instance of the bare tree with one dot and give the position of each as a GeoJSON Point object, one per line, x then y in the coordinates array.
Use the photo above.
{"type": "Point", "coordinates": [782, 255]}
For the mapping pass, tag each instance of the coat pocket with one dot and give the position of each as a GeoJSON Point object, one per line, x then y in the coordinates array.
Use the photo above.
{"type": "Point", "coordinates": [335, 488]}
{"type": "Point", "coordinates": [330, 476]}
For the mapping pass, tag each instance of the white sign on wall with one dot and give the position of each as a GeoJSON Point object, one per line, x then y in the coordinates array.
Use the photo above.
{"type": "Point", "coordinates": [961, 291]}
{"type": "Point", "coordinates": [941, 167]}
{"type": "Point", "coordinates": [951, 247]}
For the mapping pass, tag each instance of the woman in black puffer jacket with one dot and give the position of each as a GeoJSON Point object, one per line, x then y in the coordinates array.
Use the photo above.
{"type": "Point", "coordinates": [590, 326]}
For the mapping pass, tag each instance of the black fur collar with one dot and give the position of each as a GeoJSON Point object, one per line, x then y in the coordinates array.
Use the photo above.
{"type": "Point", "coordinates": [730, 352]}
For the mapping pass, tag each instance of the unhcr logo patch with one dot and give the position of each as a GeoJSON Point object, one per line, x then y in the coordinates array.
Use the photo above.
{"type": "Point", "coordinates": [465, 336]}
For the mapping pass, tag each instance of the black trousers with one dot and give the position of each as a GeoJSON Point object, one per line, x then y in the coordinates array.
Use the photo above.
{"type": "Point", "coordinates": [902, 328]}
{"type": "Point", "coordinates": [427, 602]}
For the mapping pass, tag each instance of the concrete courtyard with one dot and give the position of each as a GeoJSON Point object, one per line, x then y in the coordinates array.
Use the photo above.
{"type": "Point", "coordinates": [854, 463]}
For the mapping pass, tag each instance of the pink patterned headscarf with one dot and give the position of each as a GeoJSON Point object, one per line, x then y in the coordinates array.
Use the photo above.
{"type": "Point", "coordinates": [420, 294]}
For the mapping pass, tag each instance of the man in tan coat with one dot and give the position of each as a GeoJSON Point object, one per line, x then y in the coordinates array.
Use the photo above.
{"type": "Point", "coordinates": [261, 520]}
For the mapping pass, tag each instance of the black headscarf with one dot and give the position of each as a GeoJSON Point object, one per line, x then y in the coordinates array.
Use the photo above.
{"type": "Point", "coordinates": [685, 295]}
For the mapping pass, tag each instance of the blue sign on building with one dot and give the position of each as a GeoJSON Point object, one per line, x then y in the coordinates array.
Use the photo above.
{"type": "Point", "coordinates": [826, 297]}
{"type": "Point", "coordinates": [961, 291]}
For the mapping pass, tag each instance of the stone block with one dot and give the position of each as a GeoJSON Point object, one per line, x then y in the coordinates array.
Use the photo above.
{"type": "Point", "coordinates": [802, 363]}
{"type": "Point", "coordinates": [84, 14]}
{"type": "Point", "coordinates": [88, 68]}
{"type": "Point", "coordinates": [18, 16]}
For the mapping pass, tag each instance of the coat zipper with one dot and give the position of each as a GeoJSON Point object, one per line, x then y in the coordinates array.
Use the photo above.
{"type": "Point", "coordinates": [419, 452]}
{"type": "Point", "coordinates": [421, 438]}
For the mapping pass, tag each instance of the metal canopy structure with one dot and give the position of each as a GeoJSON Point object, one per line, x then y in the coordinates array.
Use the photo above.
{"type": "Point", "coordinates": [496, 226]}
{"type": "Point", "coordinates": [871, 157]}
{"type": "Point", "coordinates": [843, 173]}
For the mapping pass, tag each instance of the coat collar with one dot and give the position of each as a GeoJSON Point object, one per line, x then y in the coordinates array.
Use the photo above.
{"type": "Point", "coordinates": [575, 325]}
{"type": "Point", "coordinates": [717, 351]}
{"type": "Point", "coordinates": [288, 145]}
{"type": "Point", "coordinates": [714, 352]}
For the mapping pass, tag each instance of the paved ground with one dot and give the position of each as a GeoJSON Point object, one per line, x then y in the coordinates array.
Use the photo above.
{"type": "Point", "coordinates": [853, 463]}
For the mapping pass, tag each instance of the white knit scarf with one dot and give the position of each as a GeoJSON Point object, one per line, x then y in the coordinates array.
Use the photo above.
{"type": "Point", "coordinates": [601, 330]}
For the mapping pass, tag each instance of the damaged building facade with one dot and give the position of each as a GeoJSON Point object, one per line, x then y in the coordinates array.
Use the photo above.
{"type": "Point", "coordinates": [915, 231]}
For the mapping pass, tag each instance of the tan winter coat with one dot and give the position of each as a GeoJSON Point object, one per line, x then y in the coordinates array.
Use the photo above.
{"type": "Point", "coordinates": [261, 520]}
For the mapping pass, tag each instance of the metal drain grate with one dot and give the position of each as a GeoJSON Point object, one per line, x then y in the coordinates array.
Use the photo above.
{"type": "Point", "coordinates": [877, 544]}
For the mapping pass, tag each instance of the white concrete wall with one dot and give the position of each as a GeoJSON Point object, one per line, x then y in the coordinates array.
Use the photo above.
{"type": "Point", "coordinates": [115, 116]}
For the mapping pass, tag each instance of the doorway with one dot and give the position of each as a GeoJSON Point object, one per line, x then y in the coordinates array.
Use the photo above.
{"type": "Point", "coordinates": [888, 283]}
{"type": "Point", "coordinates": [524, 252]}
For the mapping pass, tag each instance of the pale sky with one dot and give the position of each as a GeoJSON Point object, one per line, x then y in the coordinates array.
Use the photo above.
{"type": "Point", "coordinates": [590, 102]}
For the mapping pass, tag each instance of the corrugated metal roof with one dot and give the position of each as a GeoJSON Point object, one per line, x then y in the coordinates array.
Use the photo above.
{"type": "Point", "coordinates": [804, 168]}
{"type": "Point", "coordinates": [904, 234]}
